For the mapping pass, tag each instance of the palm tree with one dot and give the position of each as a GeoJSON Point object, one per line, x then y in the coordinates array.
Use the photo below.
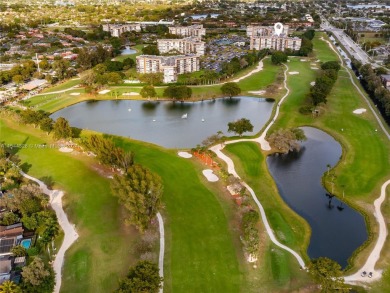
{"type": "Point", "coordinates": [10, 287]}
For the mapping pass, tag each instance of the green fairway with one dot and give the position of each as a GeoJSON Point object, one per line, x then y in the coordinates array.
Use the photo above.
{"type": "Point", "coordinates": [200, 255]}
{"type": "Point", "coordinates": [63, 85]}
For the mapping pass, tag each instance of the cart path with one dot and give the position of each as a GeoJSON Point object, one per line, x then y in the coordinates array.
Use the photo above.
{"type": "Point", "coordinates": [217, 149]}
{"type": "Point", "coordinates": [70, 234]}
{"type": "Point", "coordinates": [162, 249]}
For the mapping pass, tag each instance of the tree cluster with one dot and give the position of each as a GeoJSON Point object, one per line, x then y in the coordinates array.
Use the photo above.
{"type": "Point", "coordinates": [236, 64]}
{"type": "Point", "coordinates": [148, 91]}
{"type": "Point", "coordinates": [150, 50]}
{"type": "Point", "coordinates": [250, 237]}
{"type": "Point", "coordinates": [144, 277]}
{"type": "Point", "coordinates": [178, 92]}
{"type": "Point", "coordinates": [278, 57]}
{"type": "Point", "coordinates": [139, 190]}
{"type": "Point", "coordinates": [38, 277]}
{"type": "Point", "coordinates": [328, 274]}
{"type": "Point", "coordinates": [372, 83]}
{"type": "Point", "coordinates": [240, 126]}
{"type": "Point", "coordinates": [307, 45]}
{"type": "Point", "coordinates": [18, 73]}
{"type": "Point", "coordinates": [107, 152]}
{"type": "Point", "coordinates": [324, 82]}
{"type": "Point", "coordinates": [287, 140]}
{"type": "Point", "coordinates": [88, 58]}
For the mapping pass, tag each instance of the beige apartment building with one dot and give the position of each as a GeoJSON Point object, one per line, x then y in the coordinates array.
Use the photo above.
{"type": "Point", "coordinates": [190, 45]}
{"type": "Point", "coordinates": [195, 30]}
{"type": "Point", "coordinates": [275, 38]}
{"type": "Point", "coordinates": [117, 29]}
{"type": "Point", "coordinates": [170, 66]}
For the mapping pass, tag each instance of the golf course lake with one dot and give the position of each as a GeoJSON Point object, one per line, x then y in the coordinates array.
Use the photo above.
{"type": "Point", "coordinates": [337, 229]}
{"type": "Point", "coordinates": [168, 124]}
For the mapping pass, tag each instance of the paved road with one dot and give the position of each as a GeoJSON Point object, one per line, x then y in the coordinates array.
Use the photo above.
{"type": "Point", "coordinates": [353, 49]}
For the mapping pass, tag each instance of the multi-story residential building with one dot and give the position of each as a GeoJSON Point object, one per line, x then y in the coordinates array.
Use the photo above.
{"type": "Point", "coordinates": [117, 29]}
{"type": "Point", "coordinates": [190, 45]}
{"type": "Point", "coordinates": [196, 30]}
{"type": "Point", "coordinates": [170, 66]}
{"type": "Point", "coordinates": [275, 38]}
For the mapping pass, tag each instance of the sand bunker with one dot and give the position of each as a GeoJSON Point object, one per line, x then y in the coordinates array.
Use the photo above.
{"type": "Point", "coordinates": [262, 92]}
{"type": "Point", "coordinates": [314, 68]}
{"type": "Point", "coordinates": [359, 111]}
{"type": "Point", "coordinates": [184, 155]}
{"type": "Point", "coordinates": [130, 94]}
{"type": "Point", "coordinates": [75, 94]}
{"type": "Point", "coordinates": [210, 176]}
{"type": "Point", "coordinates": [312, 83]}
{"type": "Point", "coordinates": [65, 150]}
{"type": "Point", "coordinates": [103, 92]}
{"type": "Point", "coordinates": [303, 60]}
{"type": "Point", "coordinates": [293, 72]}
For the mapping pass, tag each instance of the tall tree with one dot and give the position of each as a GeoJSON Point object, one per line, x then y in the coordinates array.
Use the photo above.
{"type": "Point", "coordinates": [287, 140]}
{"type": "Point", "coordinates": [37, 278]}
{"type": "Point", "coordinates": [140, 191]}
{"type": "Point", "coordinates": [62, 129]}
{"type": "Point", "coordinates": [278, 57]}
{"type": "Point", "coordinates": [230, 89]}
{"type": "Point", "coordinates": [144, 277]}
{"type": "Point", "coordinates": [240, 126]}
{"type": "Point", "coordinates": [148, 91]}
{"type": "Point", "coordinates": [150, 50]}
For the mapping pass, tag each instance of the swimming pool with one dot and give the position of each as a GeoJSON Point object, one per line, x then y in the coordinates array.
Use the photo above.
{"type": "Point", "coordinates": [26, 243]}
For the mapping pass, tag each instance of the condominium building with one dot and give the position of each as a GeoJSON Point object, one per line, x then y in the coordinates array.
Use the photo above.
{"type": "Point", "coordinates": [117, 29]}
{"type": "Point", "coordinates": [190, 45]}
{"type": "Point", "coordinates": [195, 30]}
{"type": "Point", "coordinates": [276, 38]}
{"type": "Point", "coordinates": [278, 43]}
{"type": "Point", "coordinates": [170, 66]}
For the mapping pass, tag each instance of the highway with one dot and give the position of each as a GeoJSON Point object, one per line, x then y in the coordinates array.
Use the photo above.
{"type": "Point", "coordinates": [350, 46]}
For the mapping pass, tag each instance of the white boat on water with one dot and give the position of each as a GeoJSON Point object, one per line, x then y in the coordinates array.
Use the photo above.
{"type": "Point", "coordinates": [202, 119]}
{"type": "Point", "coordinates": [184, 116]}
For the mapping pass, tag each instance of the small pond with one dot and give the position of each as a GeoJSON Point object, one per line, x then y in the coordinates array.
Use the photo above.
{"type": "Point", "coordinates": [337, 229]}
{"type": "Point", "coordinates": [164, 122]}
{"type": "Point", "coordinates": [128, 51]}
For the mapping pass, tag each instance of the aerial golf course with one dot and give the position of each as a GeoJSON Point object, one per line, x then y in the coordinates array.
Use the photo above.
{"type": "Point", "coordinates": [203, 250]}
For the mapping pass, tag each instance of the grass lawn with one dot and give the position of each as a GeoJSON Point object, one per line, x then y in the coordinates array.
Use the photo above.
{"type": "Point", "coordinates": [62, 86]}
{"type": "Point", "coordinates": [200, 254]}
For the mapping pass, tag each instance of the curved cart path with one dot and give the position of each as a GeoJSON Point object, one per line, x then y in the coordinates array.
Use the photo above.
{"type": "Point", "coordinates": [162, 249]}
{"type": "Point", "coordinates": [70, 234]}
{"type": "Point", "coordinates": [265, 146]}
{"type": "Point", "coordinates": [372, 259]}
{"type": "Point", "coordinates": [218, 150]}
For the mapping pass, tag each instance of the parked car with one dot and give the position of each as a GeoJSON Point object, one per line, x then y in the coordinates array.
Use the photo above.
{"type": "Point", "coordinates": [370, 274]}
{"type": "Point", "coordinates": [364, 274]}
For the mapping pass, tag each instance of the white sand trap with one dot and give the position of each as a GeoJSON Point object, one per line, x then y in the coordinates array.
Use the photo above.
{"type": "Point", "coordinates": [303, 60]}
{"type": "Point", "coordinates": [314, 68]}
{"type": "Point", "coordinates": [184, 155]}
{"type": "Point", "coordinates": [65, 150]}
{"type": "Point", "coordinates": [262, 92]}
{"type": "Point", "coordinates": [75, 94]}
{"type": "Point", "coordinates": [293, 72]}
{"type": "Point", "coordinates": [312, 83]}
{"type": "Point", "coordinates": [210, 176]}
{"type": "Point", "coordinates": [103, 92]}
{"type": "Point", "coordinates": [359, 111]}
{"type": "Point", "coordinates": [130, 94]}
